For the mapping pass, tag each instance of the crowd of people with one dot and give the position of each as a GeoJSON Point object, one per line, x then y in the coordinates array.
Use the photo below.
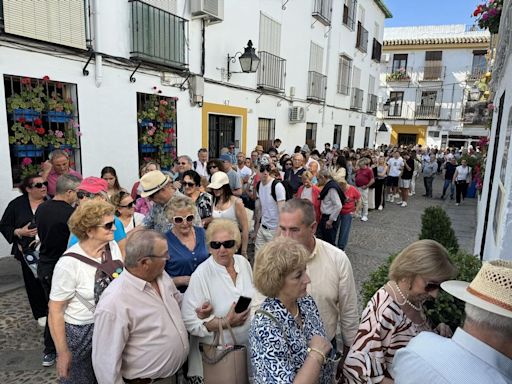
{"type": "Point", "coordinates": [138, 285]}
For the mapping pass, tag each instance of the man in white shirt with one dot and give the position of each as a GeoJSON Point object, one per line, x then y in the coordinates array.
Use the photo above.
{"type": "Point", "coordinates": [200, 166]}
{"type": "Point", "coordinates": [271, 197]}
{"type": "Point", "coordinates": [395, 167]}
{"type": "Point", "coordinates": [243, 170]}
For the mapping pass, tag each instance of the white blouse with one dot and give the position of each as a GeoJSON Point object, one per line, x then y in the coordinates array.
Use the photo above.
{"type": "Point", "coordinates": [211, 281]}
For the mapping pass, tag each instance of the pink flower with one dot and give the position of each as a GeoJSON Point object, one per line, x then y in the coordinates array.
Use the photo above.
{"type": "Point", "coordinates": [492, 12]}
{"type": "Point", "coordinates": [26, 161]}
{"type": "Point", "coordinates": [59, 133]}
{"type": "Point", "coordinates": [163, 102]}
{"type": "Point", "coordinates": [485, 16]}
{"type": "Point", "coordinates": [76, 125]}
{"type": "Point", "coordinates": [79, 133]}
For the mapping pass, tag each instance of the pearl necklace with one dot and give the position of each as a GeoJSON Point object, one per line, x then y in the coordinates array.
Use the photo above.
{"type": "Point", "coordinates": [406, 300]}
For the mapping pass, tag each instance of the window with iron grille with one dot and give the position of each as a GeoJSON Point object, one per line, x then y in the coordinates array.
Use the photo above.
{"type": "Point", "coordinates": [362, 38]}
{"type": "Point", "coordinates": [399, 62]}
{"type": "Point", "coordinates": [351, 134]}
{"type": "Point", "coordinates": [349, 13]}
{"type": "Point", "coordinates": [157, 130]}
{"type": "Point", "coordinates": [337, 135]}
{"type": "Point", "coordinates": [396, 100]}
{"type": "Point", "coordinates": [344, 75]}
{"type": "Point", "coordinates": [42, 115]}
{"type": "Point", "coordinates": [376, 50]}
{"type": "Point", "coordinates": [311, 135]}
{"type": "Point", "coordinates": [366, 137]}
{"type": "Point", "coordinates": [266, 132]}
{"type": "Point", "coordinates": [479, 64]}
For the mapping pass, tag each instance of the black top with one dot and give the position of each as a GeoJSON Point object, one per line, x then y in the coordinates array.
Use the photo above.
{"type": "Point", "coordinates": [294, 179]}
{"type": "Point", "coordinates": [450, 171]}
{"type": "Point", "coordinates": [52, 227]}
{"type": "Point", "coordinates": [406, 174]}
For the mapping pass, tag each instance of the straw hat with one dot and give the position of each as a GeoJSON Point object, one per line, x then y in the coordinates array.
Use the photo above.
{"type": "Point", "coordinates": [152, 182]}
{"type": "Point", "coordinates": [218, 180]}
{"type": "Point", "coordinates": [491, 289]}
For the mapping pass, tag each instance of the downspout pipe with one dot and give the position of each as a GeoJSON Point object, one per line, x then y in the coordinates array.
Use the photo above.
{"type": "Point", "coordinates": [98, 57]}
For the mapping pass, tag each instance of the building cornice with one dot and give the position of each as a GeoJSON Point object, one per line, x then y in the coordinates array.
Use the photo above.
{"type": "Point", "coordinates": [439, 40]}
{"type": "Point", "coordinates": [384, 9]}
{"type": "Point", "coordinates": [423, 47]}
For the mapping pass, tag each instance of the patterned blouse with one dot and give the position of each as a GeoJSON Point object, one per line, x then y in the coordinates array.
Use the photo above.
{"type": "Point", "coordinates": [204, 203]}
{"type": "Point", "coordinates": [384, 329]}
{"type": "Point", "coordinates": [279, 350]}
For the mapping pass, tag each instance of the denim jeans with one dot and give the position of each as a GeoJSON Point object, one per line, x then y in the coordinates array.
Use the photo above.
{"type": "Point", "coordinates": [428, 180]}
{"type": "Point", "coordinates": [344, 230]}
{"type": "Point", "coordinates": [448, 183]}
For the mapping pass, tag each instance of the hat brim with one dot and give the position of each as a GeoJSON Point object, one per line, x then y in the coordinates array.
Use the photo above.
{"type": "Point", "coordinates": [459, 290]}
{"type": "Point", "coordinates": [215, 185]}
{"type": "Point", "coordinates": [153, 191]}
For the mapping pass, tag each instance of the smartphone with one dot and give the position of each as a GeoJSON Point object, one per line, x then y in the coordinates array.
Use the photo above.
{"type": "Point", "coordinates": [242, 304]}
{"type": "Point", "coordinates": [32, 225]}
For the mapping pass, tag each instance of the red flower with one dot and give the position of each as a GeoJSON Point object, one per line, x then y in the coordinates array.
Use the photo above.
{"type": "Point", "coordinates": [21, 120]}
{"type": "Point", "coordinates": [46, 79]}
{"type": "Point", "coordinates": [40, 131]}
{"type": "Point", "coordinates": [28, 126]}
{"type": "Point", "coordinates": [38, 121]}
{"type": "Point", "coordinates": [25, 80]}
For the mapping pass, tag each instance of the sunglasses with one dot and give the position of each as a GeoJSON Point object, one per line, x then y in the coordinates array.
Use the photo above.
{"type": "Point", "coordinates": [288, 164]}
{"type": "Point", "coordinates": [82, 194]}
{"type": "Point", "coordinates": [187, 184]}
{"type": "Point", "coordinates": [39, 185]}
{"type": "Point", "coordinates": [108, 226]}
{"type": "Point", "coordinates": [129, 205]}
{"type": "Point", "coordinates": [264, 168]}
{"type": "Point", "coordinates": [212, 166]}
{"type": "Point", "coordinates": [432, 286]}
{"type": "Point", "coordinates": [228, 244]}
{"type": "Point", "coordinates": [181, 219]}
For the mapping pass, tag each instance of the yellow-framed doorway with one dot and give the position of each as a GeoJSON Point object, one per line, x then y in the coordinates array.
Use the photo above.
{"type": "Point", "coordinates": [228, 110]}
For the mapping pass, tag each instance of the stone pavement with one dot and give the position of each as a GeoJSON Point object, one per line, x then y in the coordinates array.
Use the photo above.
{"type": "Point", "coordinates": [370, 243]}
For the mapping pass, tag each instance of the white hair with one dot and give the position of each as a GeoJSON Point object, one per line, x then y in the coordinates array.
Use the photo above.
{"type": "Point", "coordinates": [489, 320]}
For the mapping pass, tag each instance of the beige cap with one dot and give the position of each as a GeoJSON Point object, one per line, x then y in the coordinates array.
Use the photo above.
{"type": "Point", "coordinates": [218, 180]}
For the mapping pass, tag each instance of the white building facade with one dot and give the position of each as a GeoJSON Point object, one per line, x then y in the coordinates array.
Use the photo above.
{"type": "Point", "coordinates": [427, 86]}
{"type": "Point", "coordinates": [108, 60]}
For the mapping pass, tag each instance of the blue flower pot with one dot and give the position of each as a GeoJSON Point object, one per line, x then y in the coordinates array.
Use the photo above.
{"type": "Point", "coordinates": [28, 150]}
{"type": "Point", "coordinates": [147, 148]}
{"type": "Point", "coordinates": [58, 117]}
{"type": "Point", "coordinates": [168, 124]}
{"type": "Point", "coordinates": [167, 148]}
{"type": "Point", "coordinates": [28, 114]}
{"type": "Point", "coordinates": [63, 147]}
{"type": "Point", "coordinates": [145, 122]}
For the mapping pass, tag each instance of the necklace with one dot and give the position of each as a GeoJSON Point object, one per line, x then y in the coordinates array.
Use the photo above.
{"type": "Point", "coordinates": [406, 300]}
{"type": "Point", "coordinates": [296, 316]}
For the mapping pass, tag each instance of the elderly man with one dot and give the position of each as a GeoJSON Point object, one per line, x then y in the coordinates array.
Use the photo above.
{"type": "Point", "coordinates": [185, 163]}
{"type": "Point", "coordinates": [57, 165]}
{"type": "Point", "coordinates": [293, 175]}
{"type": "Point", "coordinates": [480, 351]}
{"type": "Point", "coordinates": [202, 162]}
{"type": "Point", "coordinates": [139, 335]}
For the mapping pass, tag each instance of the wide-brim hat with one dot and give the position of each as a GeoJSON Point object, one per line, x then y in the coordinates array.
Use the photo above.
{"type": "Point", "coordinates": [219, 179]}
{"type": "Point", "coordinates": [152, 182]}
{"type": "Point", "coordinates": [490, 290]}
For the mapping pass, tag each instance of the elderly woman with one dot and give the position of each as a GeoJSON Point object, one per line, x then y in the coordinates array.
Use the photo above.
{"type": "Point", "coordinates": [76, 289]}
{"type": "Point", "coordinates": [18, 228]}
{"type": "Point", "coordinates": [395, 313]}
{"type": "Point", "coordinates": [186, 242]}
{"type": "Point", "coordinates": [221, 280]}
{"type": "Point", "coordinates": [287, 337]}
{"type": "Point", "coordinates": [310, 192]}
{"type": "Point", "coordinates": [191, 183]}
{"type": "Point", "coordinates": [331, 201]}
{"type": "Point", "coordinates": [125, 210]}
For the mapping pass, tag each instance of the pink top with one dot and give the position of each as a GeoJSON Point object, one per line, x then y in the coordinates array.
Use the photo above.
{"type": "Point", "coordinates": [52, 179]}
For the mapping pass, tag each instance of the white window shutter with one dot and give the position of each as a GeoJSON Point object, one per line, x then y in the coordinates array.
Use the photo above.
{"type": "Point", "coordinates": [270, 35]}
{"type": "Point", "coordinates": [316, 58]}
{"type": "Point", "coordinates": [356, 77]}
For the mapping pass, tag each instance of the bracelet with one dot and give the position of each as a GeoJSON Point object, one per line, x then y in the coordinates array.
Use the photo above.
{"type": "Point", "coordinates": [319, 353]}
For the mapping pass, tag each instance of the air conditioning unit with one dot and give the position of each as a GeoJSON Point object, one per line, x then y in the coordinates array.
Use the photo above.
{"type": "Point", "coordinates": [211, 10]}
{"type": "Point", "coordinates": [296, 114]}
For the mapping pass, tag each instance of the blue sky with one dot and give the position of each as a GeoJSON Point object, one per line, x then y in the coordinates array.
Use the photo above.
{"type": "Point", "coordinates": [430, 12]}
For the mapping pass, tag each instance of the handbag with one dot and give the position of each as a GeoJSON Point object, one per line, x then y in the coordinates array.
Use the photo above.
{"type": "Point", "coordinates": [30, 256]}
{"type": "Point", "coordinates": [224, 364]}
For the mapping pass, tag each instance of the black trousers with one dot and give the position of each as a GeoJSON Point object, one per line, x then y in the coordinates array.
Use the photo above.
{"type": "Point", "coordinates": [35, 293]}
{"type": "Point", "coordinates": [326, 234]}
{"type": "Point", "coordinates": [46, 282]}
{"type": "Point", "coordinates": [380, 188]}
{"type": "Point", "coordinates": [461, 189]}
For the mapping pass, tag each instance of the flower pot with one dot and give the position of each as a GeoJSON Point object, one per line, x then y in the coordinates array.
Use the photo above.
{"type": "Point", "coordinates": [168, 124]}
{"type": "Point", "coordinates": [28, 150]}
{"type": "Point", "coordinates": [147, 148]}
{"type": "Point", "coordinates": [58, 117]}
{"type": "Point", "coordinates": [27, 114]}
{"type": "Point", "coordinates": [167, 148]}
{"type": "Point", "coordinates": [65, 147]}
{"type": "Point", "coordinates": [145, 122]}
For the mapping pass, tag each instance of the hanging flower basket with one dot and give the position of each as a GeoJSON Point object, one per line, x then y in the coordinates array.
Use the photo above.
{"type": "Point", "coordinates": [58, 117]}
{"type": "Point", "coordinates": [28, 150]}
{"type": "Point", "coordinates": [27, 114]}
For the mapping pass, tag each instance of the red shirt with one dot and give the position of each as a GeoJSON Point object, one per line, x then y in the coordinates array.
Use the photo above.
{"type": "Point", "coordinates": [363, 176]}
{"type": "Point", "coordinates": [352, 195]}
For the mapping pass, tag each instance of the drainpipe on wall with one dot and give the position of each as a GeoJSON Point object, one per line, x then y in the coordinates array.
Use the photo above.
{"type": "Point", "coordinates": [98, 58]}
{"type": "Point", "coordinates": [327, 73]}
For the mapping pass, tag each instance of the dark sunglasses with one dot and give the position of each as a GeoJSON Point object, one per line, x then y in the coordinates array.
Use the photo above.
{"type": "Point", "coordinates": [187, 184]}
{"type": "Point", "coordinates": [82, 194]}
{"type": "Point", "coordinates": [108, 226]}
{"type": "Point", "coordinates": [264, 168]}
{"type": "Point", "coordinates": [39, 185]}
{"type": "Point", "coordinates": [432, 286]}
{"type": "Point", "coordinates": [129, 205]}
{"type": "Point", "coordinates": [228, 244]}
{"type": "Point", "coordinates": [180, 219]}
{"type": "Point", "coordinates": [212, 166]}
{"type": "Point", "coordinates": [288, 164]}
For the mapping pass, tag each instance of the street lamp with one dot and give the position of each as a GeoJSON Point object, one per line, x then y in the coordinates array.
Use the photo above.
{"type": "Point", "coordinates": [249, 61]}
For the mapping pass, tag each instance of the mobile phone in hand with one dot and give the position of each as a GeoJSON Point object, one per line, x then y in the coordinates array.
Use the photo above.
{"type": "Point", "coordinates": [242, 304]}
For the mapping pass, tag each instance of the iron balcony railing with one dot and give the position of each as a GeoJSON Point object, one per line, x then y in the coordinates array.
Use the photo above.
{"type": "Point", "coordinates": [432, 72]}
{"type": "Point", "coordinates": [362, 38]}
{"type": "Point", "coordinates": [427, 111]}
{"type": "Point", "coordinates": [476, 73]}
{"type": "Point", "coordinates": [158, 36]}
{"type": "Point", "coordinates": [398, 74]}
{"type": "Point", "coordinates": [317, 84]}
{"type": "Point", "coordinates": [322, 11]}
{"type": "Point", "coordinates": [356, 98]}
{"type": "Point", "coordinates": [271, 72]}
{"type": "Point", "coordinates": [372, 103]}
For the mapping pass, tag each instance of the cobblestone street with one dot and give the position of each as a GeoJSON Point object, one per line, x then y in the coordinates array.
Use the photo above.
{"type": "Point", "coordinates": [386, 232]}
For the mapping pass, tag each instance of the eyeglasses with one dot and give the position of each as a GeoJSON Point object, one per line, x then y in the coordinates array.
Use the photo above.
{"type": "Point", "coordinates": [432, 286]}
{"type": "Point", "coordinates": [228, 244]}
{"type": "Point", "coordinates": [108, 226]}
{"type": "Point", "coordinates": [187, 184]}
{"type": "Point", "coordinates": [180, 219]}
{"type": "Point", "coordinates": [212, 166]}
{"type": "Point", "coordinates": [166, 256]}
{"type": "Point", "coordinates": [82, 194]}
{"type": "Point", "coordinates": [288, 164]}
{"type": "Point", "coordinates": [39, 185]}
{"type": "Point", "coordinates": [129, 205]}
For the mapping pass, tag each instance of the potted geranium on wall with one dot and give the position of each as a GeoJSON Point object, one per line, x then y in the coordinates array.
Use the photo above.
{"type": "Point", "coordinates": [488, 15]}
{"type": "Point", "coordinates": [60, 109]}
{"type": "Point", "coordinates": [29, 102]}
{"type": "Point", "coordinates": [29, 138]}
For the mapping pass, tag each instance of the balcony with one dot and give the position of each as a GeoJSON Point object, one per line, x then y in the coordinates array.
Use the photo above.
{"type": "Point", "coordinates": [372, 104]}
{"type": "Point", "coordinates": [356, 99]}
{"type": "Point", "coordinates": [476, 113]}
{"type": "Point", "coordinates": [398, 75]}
{"type": "Point", "coordinates": [362, 38]}
{"type": "Point", "coordinates": [271, 72]}
{"type": "Point", "coordinates": [317, 84]}
{"type": "Point", "coordinates": [476, 73]}
{"type": "Point", "coordinates": [322, 11]}
{"type": "Point", "coordinates": [158, 36]}
{"type": "Point", "coordinates": [432, 72]}
{"type": "Point", "coordinates": [430, 112]}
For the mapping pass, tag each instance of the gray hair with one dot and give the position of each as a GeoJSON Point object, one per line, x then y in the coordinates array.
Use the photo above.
{"type": "Point", "coordinates": [56, 153]}
{"type": "Point", "coordinates": [303, 205]}
{"type": "Point", "coordinates": [186, 157]}
{"type": "Point", "coordinates": [325, 173]}
{"type": "Point", "coordinates": [140, 244]}
{"type": "Point", "coordinates": [179, 202]}
{"type": "Point", "coordinates": [489, 320]}
{"type": "Point", "coordinates": [65, 183]}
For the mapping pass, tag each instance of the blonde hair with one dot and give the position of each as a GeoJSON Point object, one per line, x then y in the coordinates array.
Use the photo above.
{"type": "Point", "coordinates": [178, 203]}
{"type": "Point", "coordinates": [276, 260]}
{"type": "Point", "coordinates": [219, 225]}
{"type": "Point", "coordinates": [307, 174]}
{"type": "Point", "coordinates": [426, 258]}
{"type": "Point", "coordinates": [88, 215]}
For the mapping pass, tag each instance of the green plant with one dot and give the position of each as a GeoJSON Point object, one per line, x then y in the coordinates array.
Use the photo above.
{"type": "Point", "coordinates": [376, 280]}
{"type": "Point", "coordinates": [488, 15]}
{"type": "Point", "coordinates": [24, 132]}
{"type": "Point", "coordinates": [436, 225]}
{"type": "Point", "coordinates": [31, 96]}
{"type": "Point", "coordinates": [398, 75]}
{"type": "Point", "coordinates": [28, 168]}
{"type": "Point", "coordinates": [59, 104]}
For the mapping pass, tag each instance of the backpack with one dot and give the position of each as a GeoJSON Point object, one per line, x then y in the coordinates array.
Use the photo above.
{"type": "Point", "coordinates": [286, 185]}
{"type": "Point", "coordinates": [106, 271]}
